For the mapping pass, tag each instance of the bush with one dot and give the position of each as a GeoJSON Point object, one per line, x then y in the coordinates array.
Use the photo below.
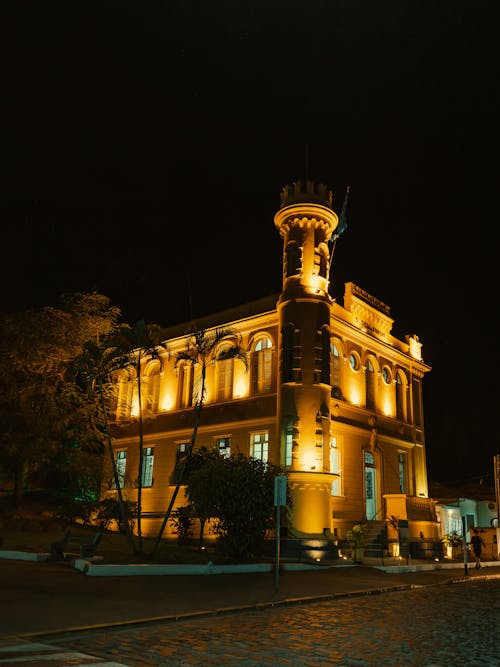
{"type": "Point", "coordinates": [182, 521]}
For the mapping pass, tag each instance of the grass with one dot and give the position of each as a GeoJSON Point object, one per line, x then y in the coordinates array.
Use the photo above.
{"type": "Point", "coordinates": [33, 528]}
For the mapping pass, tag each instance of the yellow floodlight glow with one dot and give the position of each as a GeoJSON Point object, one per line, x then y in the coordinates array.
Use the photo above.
{"type": "Point", "coordinates": [167, 402]}
{"type": "Point", "coordinates": [308, 461]}
{"type": "Point", "coordinates": [240, 388]}
{"type": "Point", "coordinates": [134, 410]}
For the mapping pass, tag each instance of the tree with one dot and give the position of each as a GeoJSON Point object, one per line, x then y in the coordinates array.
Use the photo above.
{"type": "Point", "coordinates": [94, 369]}
{"type": "Point", "coordinates": [40, 414]}
{"type": "Point", "coordinates": [203, 481]}
{"type": "Point", "coordinates": [138, 344]}
{"type": "Point", "coordinates": [203, 348]}
{"type": "Point", "coordinates": [244, 505]}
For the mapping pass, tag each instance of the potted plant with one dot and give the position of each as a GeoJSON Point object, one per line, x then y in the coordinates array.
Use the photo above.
{"type": "Point", "coordinates": [357, 536]}
{"type": "Point", "coordinates": [451, 542]}
{"type": "Point", "coordinates": [393, 535]}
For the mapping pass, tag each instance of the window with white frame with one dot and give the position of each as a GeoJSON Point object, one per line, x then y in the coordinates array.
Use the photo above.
{"type": "Point", "coordinates": [288, 442]}
{"type": "Point", "coordinates": [181, 452]}
{"type": "Point", "coordinates": [223, 446]}
{"type": "Point", "coordinates": [260, 446]}
{"type": "Point", "coordinates": [335, 466]}
{"type": "Point", "coordinates": [262, 359]}
{"type": "Point", "coordinates": [121, 466]}
{"type": "Point", "coordinates": [148, 457]}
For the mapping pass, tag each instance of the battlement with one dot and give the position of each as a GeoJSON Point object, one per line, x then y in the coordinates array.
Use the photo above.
{"type": "Point", "coordinates": [308, 192]}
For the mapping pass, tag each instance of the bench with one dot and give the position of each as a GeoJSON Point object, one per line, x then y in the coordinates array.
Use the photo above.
{"type": "Point", "coordinates": [87, 544]}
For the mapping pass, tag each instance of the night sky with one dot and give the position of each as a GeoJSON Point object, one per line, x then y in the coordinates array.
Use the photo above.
{"type": "Point", "coordinates": [144, 147]}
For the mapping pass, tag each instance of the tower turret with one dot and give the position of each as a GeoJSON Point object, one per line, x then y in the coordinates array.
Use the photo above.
{"type": "Point", "coordinates": [306, 222]}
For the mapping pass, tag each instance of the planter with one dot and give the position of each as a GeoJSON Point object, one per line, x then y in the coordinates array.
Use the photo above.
{"type": "Point", "coordinates": [393, 549]}
{"type": "Point", "coordinates": [359, 553]}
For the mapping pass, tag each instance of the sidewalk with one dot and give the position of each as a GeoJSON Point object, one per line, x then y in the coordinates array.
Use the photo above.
{"type": "Point", "coordinates": [42, 599]}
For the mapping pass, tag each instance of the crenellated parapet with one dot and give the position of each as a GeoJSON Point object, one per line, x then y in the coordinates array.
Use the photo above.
{"type": "Point", "coordinates": [306, 192]}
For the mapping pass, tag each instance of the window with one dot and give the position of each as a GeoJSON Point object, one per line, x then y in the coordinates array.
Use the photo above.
{"type": "Point", "coordinates": [293, 259]}
{"type": "Point", "coordinates": [260, 446]}
{"type": "Point", "coordinates": [370, 385]}
{"type": "Point", "coordinates": [288, 442]}
{"type": "Point", "coordinates": [354, 361]}
{"type": "Point", "coordinates": [185, 385]}
{"type": "Point", "coordinates": [182, 448]}
{"type": "Point", "coordinates": [335, 361]}
{"type": "Point", "coordinates": [125, 395]}
{"type": "Point", "coordinates": [400, 397]}
{"type": "Point", "coordinates": [335, 466]}
{"type": "Point", "coordinates": [121, 465]}
{"type": "Point", "coordinates": [223, 447]}
{"type": "Point", "coordinates": [292, 354]}
{"type": "Point", "coordinates": [180, 457]}
{"type": "Point", "coordinates": [224, 380]}
{"type": "Point", "coordinates": [262, 359]}
{"type": "Point", "coordinates": [386, 375]}
{"type": "Point", "coordinates": [402, 472]}
{"type": "Point", "coordinates": [148, 457]}
{"type": "Point", "coordinates": [152, 389]}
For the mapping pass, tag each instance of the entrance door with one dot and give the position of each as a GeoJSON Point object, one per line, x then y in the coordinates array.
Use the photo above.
{"type": "Point", "coordinates": [370, 487]}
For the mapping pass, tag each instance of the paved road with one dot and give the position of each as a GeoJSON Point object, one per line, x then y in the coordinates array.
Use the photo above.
{"type": "Point", "coordinates": [445, 625]}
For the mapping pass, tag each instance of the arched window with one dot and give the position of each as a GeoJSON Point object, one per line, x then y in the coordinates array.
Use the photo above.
{"type": "Point", "coordinates": [224, 379]}
{"type": "Point", "coordinates": [262, 365]}
{"type": "Point", "coordinates": [400, 397]}
{"type": "Point", "coordinates": [293, 259]}
{"type": "Point", "coordinates": [126, 386]}
{"type": "Point", "coordinates": [152, 388]}
{"type": "Point", "coordinates": [370, 385]}
{"type": "Point", "coordinates": [335, 370]}
{"type": "Point", "coordinates": [185, 385]}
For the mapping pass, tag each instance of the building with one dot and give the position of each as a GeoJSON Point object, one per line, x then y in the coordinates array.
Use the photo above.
{"type": "Point", "coordinates": [330, 395]}
{"type": "Point", "coordinates": [470, 506]}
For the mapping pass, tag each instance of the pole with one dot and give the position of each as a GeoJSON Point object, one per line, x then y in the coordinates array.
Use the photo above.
{"type": "Point", "coordinates": [279, 499]}
{"type": "Point", "coordinates": [277, 565]}
{"type": "Point", "coordinates": [465, 545]}
{"type": "Point", "coordinates": [496, 472]}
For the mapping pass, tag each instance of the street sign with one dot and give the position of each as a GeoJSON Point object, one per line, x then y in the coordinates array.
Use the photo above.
{"type": "Point", "coordinates": [280, 490]}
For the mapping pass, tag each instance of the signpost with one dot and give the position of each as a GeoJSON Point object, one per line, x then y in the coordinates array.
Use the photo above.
{"type": "Point", "coordinates": [279, 500]}
{"type": "Point", "coordinates": [464, 528]}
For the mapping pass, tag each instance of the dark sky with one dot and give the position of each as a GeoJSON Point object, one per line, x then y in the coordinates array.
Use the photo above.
{"type": "Point", "coordinates": [144, 147]}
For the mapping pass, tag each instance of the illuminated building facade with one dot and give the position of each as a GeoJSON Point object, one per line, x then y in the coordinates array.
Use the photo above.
{"type": "Point", "coordinates": [330, 395]}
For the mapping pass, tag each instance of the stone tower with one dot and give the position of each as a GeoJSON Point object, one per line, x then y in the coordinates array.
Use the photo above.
{"type": "Point", "coordinates": [306, 222]}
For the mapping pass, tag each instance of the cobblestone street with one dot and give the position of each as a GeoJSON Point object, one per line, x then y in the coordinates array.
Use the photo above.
{"type": "Point", "coordinates": [440, 626]}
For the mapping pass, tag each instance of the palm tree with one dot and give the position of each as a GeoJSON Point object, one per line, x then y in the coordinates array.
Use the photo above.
{"type": "Point", "coordinates": [94, 368]}
{"type": "Point", "coordinates": [203, 348]}
{"type": "Point", "coordinates": [139, 344]}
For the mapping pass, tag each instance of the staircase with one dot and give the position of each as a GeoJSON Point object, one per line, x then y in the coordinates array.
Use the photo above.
{"type": "Point", "coordinates": [375, 539]}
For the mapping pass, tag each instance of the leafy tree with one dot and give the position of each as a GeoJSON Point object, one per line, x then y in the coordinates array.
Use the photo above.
{"type": "Point", "coordinates": [203, 348]}
{"type": "Point", "coordinates": [93, 371]}
{"type": "Point", "coordinates": [244, 501]}
{"type": "Point", "coordinates": [204, 475]}
{"type": "Point", "coordinates": [41, 415]}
